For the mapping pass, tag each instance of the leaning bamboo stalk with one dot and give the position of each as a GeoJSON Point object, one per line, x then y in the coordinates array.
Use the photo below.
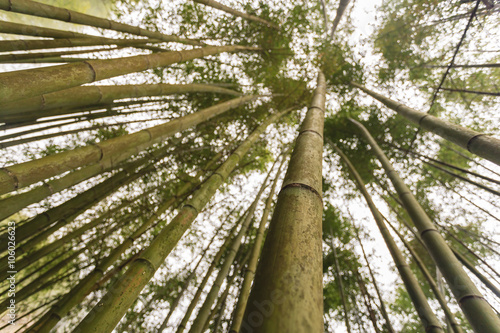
{"type": "Point", "coordinates": [367, 299]}
{"type": "Point", "coordinates": [477, 143]}
{"type": "Point", "coordinates": [477, 310]}
{"type": "Point", "coordinates": [40, 55]}
{"type": "Point", "coordinates": [340, 286]}
{"type": "Point", "coordinates": [204, 281]}
{"type": "Point", "coordinates": [232, 11]}
{"type": "Point", "coordinates": [294, 236]}
{"type": "Point", "coordinates": [20, 175]}
{"type": "Point", "coordinates": [188, 280]}
{"type": "Point", "coordinates": [340, 12]}
{"type": "Point", "coordinates": [34, 44]}
{"type": "Point", "coordinates": [92, 95]}
{"type": "Point", "coordinates": [432, 283]}
{"type": "Point", "coordinates": [15, 203]}
{"type": "Point", "coordinates": [28, 83]}
{"type": "Point", "coordinates": [61, 309]}
{"type": "Point", "coordinates": [204, 312]}
{"type": "Point", "coordinates": [34, 8]}
{"type": "Point", "coordinates": [31, 30]}
{"type": "Point", "coordinates": [427, 317]}
{"type": "Point", "coordinates": [383, 308]}
{"type": "Point", "coordinates": [476, 92]}
{"type": "Point", "coordinates": [239, 311]}
{"type": "Point", "coordinates": [104, 318]}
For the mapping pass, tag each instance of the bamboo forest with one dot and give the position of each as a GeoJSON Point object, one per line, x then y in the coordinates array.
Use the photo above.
{"type": "Point", "coordinates": [247, 166]}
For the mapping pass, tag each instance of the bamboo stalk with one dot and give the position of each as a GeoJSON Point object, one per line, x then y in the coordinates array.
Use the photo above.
{"type": "Point", "coordinates": [34, 8]}
{"type": "Point", "coordinates": [40, 55]}
{"type": "Point", "coordinates": [427, 317]}
{"type": "Point", "coordinates": [239, 311]}
{"type": "Point", "coordinates": [20, 175]}
{"type": "Point", "coordinates": [110, 310]}
{"type": "Point", "coordinates": [28, 83]}
{"type": "Point", "coordinates": [287, 295]}
{"type": "Point", "coordinates": [93, 95]}
{"type": "Point", "coordinates": [232, 11]}
{"type": "Point", "coordinates": [477, 143]}
{"type": "Point", "coordinates": [477, 310]}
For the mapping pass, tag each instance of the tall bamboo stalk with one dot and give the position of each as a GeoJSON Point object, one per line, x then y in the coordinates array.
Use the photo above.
{"type": "Point", "coordinates": [41, 55]}
{"type": "Point", "coordinates": [340, 12]}
{"type": "Point", "coordinates": [232, 11]}
{"type": "Point", "coordinates": [477, 143]}
{"type": "Point", "coordinates": [239, 311]}
{"type": "Point", "coordinates": [287, 295]}
{"type": "Point", "coordinates": [20, 175]}
{"type": "Point", "coordinates": [424, 311]}
{"type": "Point", "coordinates": [383, 308]}
{"type": "Point", "coordinates": [31, 30]}
{"type": "Point", "coordinates": [59, 310]}
{"type": "Point", "coordinates": [28, 83]}
{"type": "Point", "coordinates": [432, 283]}
{"type": "Point", "coordinates": [104, 317]}
{"type": "Point", "coordinates": [34, 8]}
{"type": "Point", "coordinates": [204, 312]}
{"type": "Point", "coordinates": [477, 310]}
{"type": "Point", "coordinates": [338, 277]}
{"type": "Point", "coordinates": [93, 95]}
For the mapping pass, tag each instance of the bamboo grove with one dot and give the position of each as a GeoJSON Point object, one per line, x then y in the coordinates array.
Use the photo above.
{"type": "Point", "coordinates": [249, 166]}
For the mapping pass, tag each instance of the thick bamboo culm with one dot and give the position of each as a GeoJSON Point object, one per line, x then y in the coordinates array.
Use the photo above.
{"type": "Point", "coordinates": [427, 317]}
{"type": "Point", "coordinates": [103, 318]}
{"type": "Point", "coordinates": [477, 310]}
{"type": "Point", "coordinates": [295, 237]}
{"type": "Point", "coordinates": [477, 143]}
{"type": "Point", "coordinates": [20, 175]}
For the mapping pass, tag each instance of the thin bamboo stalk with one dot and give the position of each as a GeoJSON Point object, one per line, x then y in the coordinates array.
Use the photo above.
{"type": "Point", "coordinates": [40, 55]}
{"type": "Point", "coordinates": [93, 95]}
{"type": "Point", "coordinates": [31, 30]}
{"type": "Point", "coordinates": [28, 83]}
{"type": "Point", "coordinates": [477, 143]}
{"type": "Point", "coordinates": [477, 310]}
{"type": "Point", "coordinates": [34, 8]}
{"type": "Point", "coordinates": [104, 318]}
{"type": "Point", "coordinates": [427, 317]}
{"type": "Point", "coordinates": [20, 175]}
{"type": "Point", "coordinates": [340, 286]}
{"type": "Point", "coordinates": [232, 11]}
{"type": "Point", "coordinates": [287, 295]}
{"type": "Point", "coordinates": [239, 311]}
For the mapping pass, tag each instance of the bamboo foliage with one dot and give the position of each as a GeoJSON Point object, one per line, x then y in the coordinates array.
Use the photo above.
{"type": "Point", "coordinates": [477, 310]}
{"type": "Point", "coordinates": [295, 237]}
{"type": "Point", "coordinates": [480, 144]}
{"type": "Point", "coordinates": [20, 175]}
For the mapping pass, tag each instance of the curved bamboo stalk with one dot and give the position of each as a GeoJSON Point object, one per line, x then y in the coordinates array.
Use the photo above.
{"type": "Point", "coordinates": [340, 12]}
{"type": "Point", "coordinates": [478, 312]}
{"type": "Point", "coordinates": [104, 317]}
{"type": "Point", "coordinates": [239, 311]}
{"type": "Point", "coordinates": [28, 83]}
{"type": "Point", "coordinates": [34, 8]}
{"type": "Point", "coordinates": [287, 293]}
{"type": "Point", "coordinates": [20, 175]}
{"type": "Point", "coordinates": [92, 95]}
{"type": "Point", "coordinates": [427, 317]}
{"type": "Point", "coordinates": [482, 145]}
{"type": "Point", "coordinates": [229, 10]}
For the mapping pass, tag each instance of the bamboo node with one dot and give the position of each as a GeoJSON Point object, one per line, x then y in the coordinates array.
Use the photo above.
{"type": "Point", "coordinates": [312, 131]}
{"type": "Point", "coordinates": [304, 186]}
{"type": "Point", "coordinates": [466, 297]}
{"type": "Point", "coordinates": [472, 139]}
{"type": "Point", "coordinates": [13, 176]}
{"type": "Point", "coordinates": [94, 74]}
{"type": "Point", "coordinates": [422, 119]}
{"type": "Point", "coordinates": [51, 189]}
